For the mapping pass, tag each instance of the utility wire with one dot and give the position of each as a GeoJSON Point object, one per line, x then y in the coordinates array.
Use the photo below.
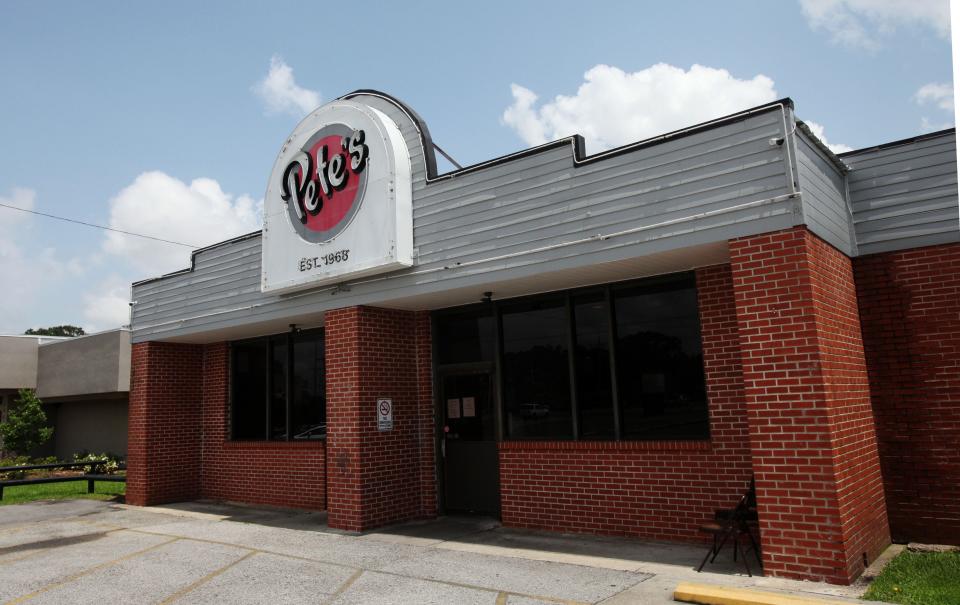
{"type": "Point", "coordinates": [70, 220]}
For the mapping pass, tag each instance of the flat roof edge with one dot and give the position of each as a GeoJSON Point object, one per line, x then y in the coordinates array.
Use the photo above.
{"type": "Point", "coordinates": [193, 257]}
{"type": "Point", "coordinates": [898, 143]}
{"type": "Point", "coordinates": [576, 141]}
{"type": "Point", "coordinates": [833, 157]}
{"type": "Point", "coordinates": [63, 339]}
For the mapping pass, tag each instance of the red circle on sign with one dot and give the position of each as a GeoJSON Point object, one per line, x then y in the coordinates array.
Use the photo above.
{"type": "Point", "coordinates": [336, 206]}
{"type": "Point", "coordinates": [384, 408]}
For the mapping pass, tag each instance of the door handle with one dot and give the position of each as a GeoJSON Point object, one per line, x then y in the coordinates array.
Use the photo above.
{"type": "Point", "coordinates": [443, 448]}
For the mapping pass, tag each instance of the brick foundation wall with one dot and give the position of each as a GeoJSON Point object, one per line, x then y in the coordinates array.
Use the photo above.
{"type": "Point", "coordinates": [374, 477]}
{"type": "Point", "coordinates": [163, 431]}
{"type": "Point", "coordinates": [910, 312]}
{"type": "Point", "coordinates": [278, 473]}
{"type": "Point", "coordinates": [656, 490]}
{"type": "Point", "coordinates": [178, 437]}
{"type": "Point", "coordinates": [820, 495]}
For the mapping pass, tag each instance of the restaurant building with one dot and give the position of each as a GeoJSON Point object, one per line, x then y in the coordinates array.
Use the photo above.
{"type": "Point", "coordinates": [611, 343]}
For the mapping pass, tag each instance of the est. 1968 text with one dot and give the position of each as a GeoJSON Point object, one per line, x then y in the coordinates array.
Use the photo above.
{"type": "Point", "coordinates": [339, 256]}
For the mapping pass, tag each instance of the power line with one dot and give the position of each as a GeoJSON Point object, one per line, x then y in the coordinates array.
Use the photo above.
{"type": "Point", "coordinates": [70, 220]}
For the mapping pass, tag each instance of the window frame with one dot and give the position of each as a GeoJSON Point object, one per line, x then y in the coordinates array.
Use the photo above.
{"type": "Point", "coordinates": [608, 290]}
{"type": "Point", "coordinates": [267, 341]}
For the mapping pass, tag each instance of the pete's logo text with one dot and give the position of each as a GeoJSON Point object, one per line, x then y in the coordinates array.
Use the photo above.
{"type": "Point", "coordinates": [324, 180]}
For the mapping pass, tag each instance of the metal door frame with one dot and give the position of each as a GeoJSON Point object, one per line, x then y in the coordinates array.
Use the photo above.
{"type": "Point", "coordinates": [460, 369]}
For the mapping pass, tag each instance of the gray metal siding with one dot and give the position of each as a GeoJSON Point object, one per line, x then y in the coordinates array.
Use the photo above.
{"type": "Point", "coordinates": [905, 196]}
{"type": "Point", "coordinates": [825, 207]}
{"type": "Point", "coordinates": [513, 220]}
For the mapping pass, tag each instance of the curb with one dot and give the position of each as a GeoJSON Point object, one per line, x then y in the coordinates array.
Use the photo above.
{"type": "Point", "coordinates": [705, 594]}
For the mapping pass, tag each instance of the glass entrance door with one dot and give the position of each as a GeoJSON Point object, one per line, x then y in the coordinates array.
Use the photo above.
{"type": "Point", "coordinates": [468, 443]}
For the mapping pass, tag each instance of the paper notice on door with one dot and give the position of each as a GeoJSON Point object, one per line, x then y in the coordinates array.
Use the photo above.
{"type": "Point", "coordinates": [453, 408]}
{"type": "Point", "coordinates": [469, 407]}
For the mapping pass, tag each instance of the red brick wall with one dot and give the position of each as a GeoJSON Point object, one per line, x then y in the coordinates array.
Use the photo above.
{"type": "Point", "coordinates": [910, 312]}
{"type": "Point", "coordinates": [374, 477]}
{"type": "Point", "coordinates": [163, 434]}
{"type": "Point", "coordinates": [819, 489]}
{"type": "Point", "coordinates": [277, 473]}
{"type": "Point", "coordinates": [178, 433]}
{"type": "Point", "coordinates": [425, 415]}
{"type": "Point", "coordinates": [658, 490]}
{"type": "Point", "coordinates": [847, 390]}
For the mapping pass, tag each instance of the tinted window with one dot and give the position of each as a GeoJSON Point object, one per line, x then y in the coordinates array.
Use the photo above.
{"type": "Point", "coordinates": [272, 390]}
{"type": "Point", "coordinates": [308, 404]}
{"type": "Point", "coordinates": [249, 389]}
{"type": "Point", "coordinates": [278, 387]}
{"type": "Point", "coordinates": [633, 348]}
{"type": "Point", "coordinates": [536, 382]}
{"type": "Point", "coordinates": [465, 336]}
{"type": "Point", "coordinates": [659, 362]}
{"type": "Point", "coordinates": [592, 363]}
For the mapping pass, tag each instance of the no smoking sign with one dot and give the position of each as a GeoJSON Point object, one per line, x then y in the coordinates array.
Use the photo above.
{"type": "Point", "coordinates": [384, 414]}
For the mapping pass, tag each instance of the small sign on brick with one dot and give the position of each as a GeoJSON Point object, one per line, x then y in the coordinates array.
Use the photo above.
{"type": "Point", "coordinates": [384, 414]}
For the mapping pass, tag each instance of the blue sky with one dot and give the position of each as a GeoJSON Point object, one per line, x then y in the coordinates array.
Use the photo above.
{"type": "Point", "coordinates": [165, 118]}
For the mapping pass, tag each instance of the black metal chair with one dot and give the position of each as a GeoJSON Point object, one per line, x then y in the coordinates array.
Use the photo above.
{"type": "Point", "coordinates": [735, 524]}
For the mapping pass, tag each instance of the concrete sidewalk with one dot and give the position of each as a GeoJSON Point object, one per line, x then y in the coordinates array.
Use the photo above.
{"type": "Point", "coordinates": [85, 551]}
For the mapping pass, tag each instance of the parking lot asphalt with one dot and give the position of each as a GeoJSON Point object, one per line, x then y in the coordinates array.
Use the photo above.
{"type": "Point", "coordinates": [86, 551]}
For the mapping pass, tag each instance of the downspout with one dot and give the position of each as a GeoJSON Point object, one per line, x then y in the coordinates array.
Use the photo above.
{"type": "Point", "coordinates": [789, 142]}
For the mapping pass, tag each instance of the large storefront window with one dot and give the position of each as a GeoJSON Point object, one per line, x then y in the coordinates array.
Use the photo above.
{"type": "Point", "coordinates": [622, 361]}
{"type": "Point", "coordinates": [278, 387]}
{"type": "Point", "coordinates": [536, 379]}
{"type": "Point", "coordinates": [659, 362]}
{"type": "Point", "coordinates": [592, 362]}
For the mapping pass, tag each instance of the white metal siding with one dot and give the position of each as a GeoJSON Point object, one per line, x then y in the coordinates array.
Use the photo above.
{"type": "Point", "coordinates": [905, 196]}
{"type": "Point", "coordinates": [825, 208]}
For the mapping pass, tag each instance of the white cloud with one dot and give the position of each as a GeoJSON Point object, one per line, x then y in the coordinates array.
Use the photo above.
{"type": "Point", "coordinates": [107, 306]}
{"type": "Point", "coordinates": [281, 93]}
{"type": "Point", "coordinates": [928, 125]}
{"type": "Point", "coordinates": [940, 96]}
{"type": "Point", "coordinates": [936, 93]}
{"type": "Point", "coordinates": [162, 206]}
{"type": "Point", "coordinates": [522, 116]}
{"type": "Point", "coordinates": [612, 107]}
{"type": "Point", "coordinates": [861, 23]}
{"type": "Point", "coordinates": [37, 277]}
{"type": "Point", "coordinates": [817, 129]}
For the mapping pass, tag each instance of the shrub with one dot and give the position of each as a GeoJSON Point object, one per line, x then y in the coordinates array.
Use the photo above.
{"type": "Point", "coordinates": [13, 461]}
{"type": "Point", "coordinates": [26, 424]}
{"type": "Point", "coordinates": [112, 461]}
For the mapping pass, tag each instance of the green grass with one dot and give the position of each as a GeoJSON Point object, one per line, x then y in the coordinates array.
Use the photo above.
{"type": "Point", "coordinates": [919, 579]}
{"type": "Point", "coordinates": [19, 494]}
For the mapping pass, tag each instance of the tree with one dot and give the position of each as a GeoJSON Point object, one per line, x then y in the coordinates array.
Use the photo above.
{"type": "Point", "coordinates": [25, 427]}
{"type": "Point", "coordinates": [66, 330]}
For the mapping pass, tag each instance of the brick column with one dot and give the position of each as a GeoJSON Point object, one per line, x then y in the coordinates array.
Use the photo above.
{"type": "Point", "coordinates": [820, 493]}
{"type": "Point", "coordinates": [163, 452]}
{"type": "Point", "coordinates": [375, 477]}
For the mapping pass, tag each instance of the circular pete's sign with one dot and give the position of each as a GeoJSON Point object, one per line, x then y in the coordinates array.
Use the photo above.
{"type": "Point", "coordinates": [338, 204]}
{"type": "Point", "coordinates": [324, 184]}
